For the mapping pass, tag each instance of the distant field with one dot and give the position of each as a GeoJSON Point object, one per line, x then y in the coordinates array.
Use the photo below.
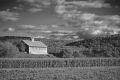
{"type": "Point", "coordinates": [93, 73]}
{"type": "Point", "coordinates": [57, 62]}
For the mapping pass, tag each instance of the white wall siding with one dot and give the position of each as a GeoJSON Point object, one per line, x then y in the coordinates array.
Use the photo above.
{"type": "Point", "coordinates": [37, 50]}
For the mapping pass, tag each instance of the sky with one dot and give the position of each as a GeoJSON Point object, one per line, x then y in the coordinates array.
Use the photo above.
{"type": "Point", "coordinates": [57, 19]}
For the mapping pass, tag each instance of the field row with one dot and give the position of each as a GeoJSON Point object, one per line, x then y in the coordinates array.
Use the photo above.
{"type": "Point", "coordinates": [53, 63]}
{"type": "Point", "coordinates": [106, 73]}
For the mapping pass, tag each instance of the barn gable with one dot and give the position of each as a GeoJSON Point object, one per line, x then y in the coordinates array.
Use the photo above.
{"type": "Point", "coordinates": [35, 43]}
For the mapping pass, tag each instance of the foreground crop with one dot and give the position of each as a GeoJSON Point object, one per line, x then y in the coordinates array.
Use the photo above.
{"type": "Point", "coordinates": [94, 73]}
{"type": "Point", "coordinates": [58, 62]}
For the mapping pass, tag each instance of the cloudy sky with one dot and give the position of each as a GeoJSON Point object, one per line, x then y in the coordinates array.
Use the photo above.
{"type": "Point", "coordinates": [51, 19]}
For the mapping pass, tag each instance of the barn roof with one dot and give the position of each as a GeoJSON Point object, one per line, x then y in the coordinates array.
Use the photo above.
{"type": "Point", "coordinates": [35, 43]}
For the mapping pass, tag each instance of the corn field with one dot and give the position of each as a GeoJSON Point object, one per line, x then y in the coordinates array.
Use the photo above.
{"type": "Point", "coordinates": [94, 73]}
{"type": "Point", "coordinates": [57, 62]}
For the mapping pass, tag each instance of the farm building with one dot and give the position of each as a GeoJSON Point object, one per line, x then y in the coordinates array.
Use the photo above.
{"type": "Point", "coordinates": [35, 47]}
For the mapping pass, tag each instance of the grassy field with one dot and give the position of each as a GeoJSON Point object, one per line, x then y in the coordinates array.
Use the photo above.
{"type": "Point", "coordinates": [86, 73]}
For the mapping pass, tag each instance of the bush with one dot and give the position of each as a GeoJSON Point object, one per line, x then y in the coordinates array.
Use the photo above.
{"type": "Point", "coordinates": [66, 53]}
{"type": "Point", "coordinates": [21, 46]}
{"type": "Point", "coordinates": [3, 51]}
{"type": "Point", "coordinates": [72, 52]}
{"type": "Point", "coordinates": [7, 49]}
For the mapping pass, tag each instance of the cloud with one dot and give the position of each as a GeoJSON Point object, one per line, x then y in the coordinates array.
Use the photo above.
{"type": "Point", "coordinates": [10, 29]}
{"type": "Point", "coordinates": [107, 25]}
{"type": "Point", "coordinates": [65, 31]}
{"type": "Point", "coordinates": [46, 31]}
{"type": "Point", "coordinates": [30, 1]}
{"type": "Point", "coordinates": [60, 9]}
{"type": "Point", "coordinates": [59, 34]}
{"type": "Point", "coordinates": [33, 28]}
{"type": "Point", "coordinates": [113, 18]}
{"type": "Point", "coordinates": [92, 4]}
{"type": "Point", "coordinates": [37, 3]}
{"type": "Point", "coordinates": [94, 24]}
{"type": "Point", "coordinates": [76, 37]}
{"type": "Point", "coordinates": [34, 10]}
{"type": "Point", "coordinates": [114, 3]}
{"type": "Point", "coordinates": [27, 1]}
{"type": "Point", "coordinates": [63, 36]}
{"type": "Point", "coordinates": [27, 26]}
{"type": "Point", "coordinates": [18, 7]}
{"type": "Point", "coordinates": [43, 27]}
{"type": "Point", "coordinates": [7, 15]}
{"type": "Point", "coordinates": [87, 16]}
{"type": "Point", "coordinates": [96, 32]}
{"type": "Point", "coordinates": [54, 26]}
{"type": "Point", "coordinates": [46, 3]}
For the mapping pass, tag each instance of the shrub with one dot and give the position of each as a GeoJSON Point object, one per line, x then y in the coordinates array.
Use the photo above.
{"type": "Point", "coordinates": [70, 52]}
{"type": "Point", "coordinates": [3, 51]}
{"type": "Point", "coordinates": [66, 53]}
{"type": "Point", "coordinates": [7, 49]}
{"type": "Point", "coordinates": [21, 46]}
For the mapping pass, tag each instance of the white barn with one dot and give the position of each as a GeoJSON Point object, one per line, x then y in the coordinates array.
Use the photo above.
{"type": "Point", "coordinates": [35, 47]}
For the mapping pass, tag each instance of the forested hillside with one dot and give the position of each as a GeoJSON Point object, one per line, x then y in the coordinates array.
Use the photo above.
{"type": "Point", "coordinates": [107, 46]}
{"type": "Point", "coordinates": [54, 46]}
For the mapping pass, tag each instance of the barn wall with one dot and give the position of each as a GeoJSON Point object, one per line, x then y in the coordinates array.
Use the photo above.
{"type": "Point", "coordinates": [37, 50]}
{"type": "Point", "coordinates": [23, 44]}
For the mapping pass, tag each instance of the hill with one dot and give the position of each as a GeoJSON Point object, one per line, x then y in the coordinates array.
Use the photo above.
{"type": "Point", "coordinates": [54, 46]}
{"type": "Point", "coordinates": [106, 46]}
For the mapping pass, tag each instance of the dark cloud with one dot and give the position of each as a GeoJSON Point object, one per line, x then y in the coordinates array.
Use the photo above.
{"type": "Point", "coordinates": [113, 2]}
{"type": "Point", "coordinates": [94, 24]}
{"type": "Point", "coordinates": [35, 5]}
{"type": "Point", "coordinates": [9, 16]}
{"type": "Point", "coordinates": [94, 17]}
{"type": "Point", "coordinates": [10, 29]}
{"type": "Point", "coordinates": [5, 4]}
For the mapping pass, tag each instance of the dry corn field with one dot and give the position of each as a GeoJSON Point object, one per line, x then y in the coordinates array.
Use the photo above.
{"type": "Point", "coordinates": [57, 62]}
{"type": "Point", "coordinates": [60, 69]}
